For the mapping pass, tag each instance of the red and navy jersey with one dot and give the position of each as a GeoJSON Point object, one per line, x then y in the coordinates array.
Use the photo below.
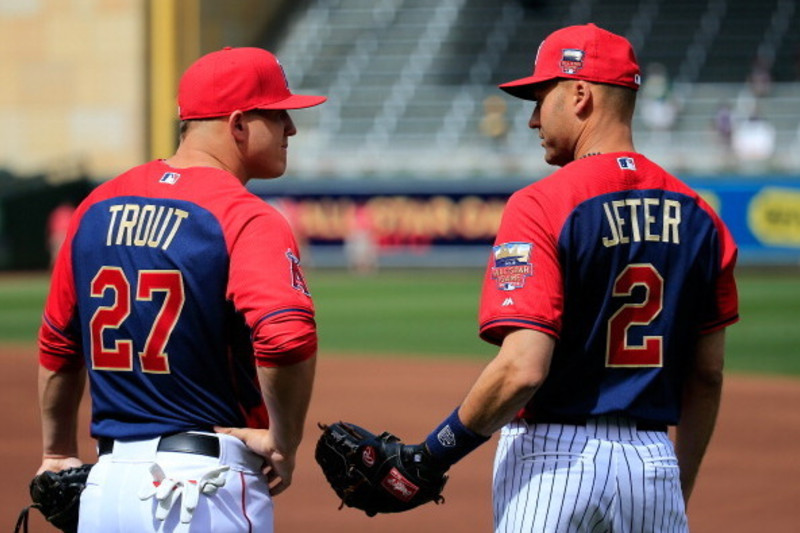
{"type": "Point", "coordinates": [172, 285]}
{"type": "Point", "coordinates": [625, 266]}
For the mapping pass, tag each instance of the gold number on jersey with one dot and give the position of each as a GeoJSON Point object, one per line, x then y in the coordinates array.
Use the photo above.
{"type": "Point", "coordinates": [620, 351]}
{"type": "Point", "coordinates": [153, 358]}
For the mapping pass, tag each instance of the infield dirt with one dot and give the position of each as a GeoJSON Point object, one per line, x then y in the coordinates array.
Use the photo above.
{"type": "Point", "coordinates": [749, 481]}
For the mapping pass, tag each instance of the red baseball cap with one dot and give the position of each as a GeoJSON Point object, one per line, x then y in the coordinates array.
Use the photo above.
{"type": "Point", "coordinates": [584, 52]}
{"type": "Point", "coordinates": [233, 79]}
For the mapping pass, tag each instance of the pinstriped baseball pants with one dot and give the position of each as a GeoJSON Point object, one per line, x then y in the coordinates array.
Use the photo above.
{"type": "Point", "coordinates": [603, 477]}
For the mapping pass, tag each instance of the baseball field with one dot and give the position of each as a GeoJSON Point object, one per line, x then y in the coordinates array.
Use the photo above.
{"type": "Point", "coordinates": [398, 350]}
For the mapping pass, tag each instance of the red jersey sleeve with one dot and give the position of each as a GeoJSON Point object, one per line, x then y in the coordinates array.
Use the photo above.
{"type": "Point", "coordinates": [522, 287]}
{"type": "Point", "coordinates": [267, 285]}
{"type": "Point", "coordinates": [727, 298]}
{"type": "Point", "coordinates": [59, 337]}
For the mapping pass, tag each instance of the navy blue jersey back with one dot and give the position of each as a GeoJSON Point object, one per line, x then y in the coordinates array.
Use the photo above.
{"type": "Point", "coordinates": [634, 288]}
{"type": "Point", "coordinates": [626, 266]}
{"type": "Point", "coordinates": [150, 276]}
{"type": "Point", "coordinates": [173, 287]}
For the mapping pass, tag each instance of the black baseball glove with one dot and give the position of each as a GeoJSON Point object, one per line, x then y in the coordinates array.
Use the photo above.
{"type": "Point", "coordinates": [377, 473]}
{"type": "Point", "coordinates": [57, 496]}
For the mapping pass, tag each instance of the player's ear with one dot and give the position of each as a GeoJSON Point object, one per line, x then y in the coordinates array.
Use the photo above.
{"type": "Point", "coordinates": [582, 97]}
{"type": "Point", "coordinates": [237, 125]}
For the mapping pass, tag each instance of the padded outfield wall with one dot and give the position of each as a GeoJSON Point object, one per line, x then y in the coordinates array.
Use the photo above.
{"type": "Point", "coordinates": [451, 223]}
{"type": "Point", "coordinates": [418, 222]}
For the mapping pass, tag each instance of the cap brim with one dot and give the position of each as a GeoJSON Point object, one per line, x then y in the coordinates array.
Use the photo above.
{"type": "Point", "coordinates": [296, 101]}
{"type": "Point", "coordinates": [524, 87]}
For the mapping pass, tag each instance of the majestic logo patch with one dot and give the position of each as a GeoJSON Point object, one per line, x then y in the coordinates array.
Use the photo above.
{"type": "Point", "coordinates": [170, 177]}
{"type": "Point", "coordinates": [368, 456]}
{"type": "Point", "coordinates": [512, 264]}
{"type": "Point", "coordinates": [397, 485]}
{"type": "Point", "coordinates": [626, 163]}
{"type": "Point", "coordinates": [507, 302]}
{"type": "Point", "coordinates": [571, 60]}
{"type": "Point", "coordinates": [298, 281]}
{"type": "Point", "coordinates": [446, 437]}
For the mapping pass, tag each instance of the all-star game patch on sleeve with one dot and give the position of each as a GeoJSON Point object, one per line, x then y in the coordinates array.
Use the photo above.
{"type": "Point", "coordinates": [522, 284]}
{"type": "Point", "coordinates": [512, 265]}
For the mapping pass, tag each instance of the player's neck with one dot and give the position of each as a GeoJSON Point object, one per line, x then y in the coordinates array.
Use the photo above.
{"type": "Point", "coordinates": [604, 140]}
{"type": "Point", "coordinates": [192, 156]}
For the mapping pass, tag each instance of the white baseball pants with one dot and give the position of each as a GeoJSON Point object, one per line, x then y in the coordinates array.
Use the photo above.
{"type": "Point", "coordinates": [225, 494]}
{"type": "Point", "coordinates": [606, 476]}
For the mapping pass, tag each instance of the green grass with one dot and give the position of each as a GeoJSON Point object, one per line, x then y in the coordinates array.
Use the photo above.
{"type": "Point", "coordinates": [21, 301]}
{"type": "Point", "coordinates": [434, 313]}
{"type": "Point", "coordinates": [400, 312]}
{"type": "Point", "coordinates": [767, 337]}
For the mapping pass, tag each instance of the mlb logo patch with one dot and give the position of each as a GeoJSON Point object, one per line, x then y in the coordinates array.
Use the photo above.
{"type": "Point", "coordinates": [512, 265]}
{"type": "Point", "coordinates": [571, 60]}
{"type": "Point", "coordinates": [626, 163]}
{"type": "Point", "coordinates": [170, 178]}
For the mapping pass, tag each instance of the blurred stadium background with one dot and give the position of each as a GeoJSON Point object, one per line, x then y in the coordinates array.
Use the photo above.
{"type": "Point", "coordinates": [409, 164]}
{"type": "Point", "coordinates": [417, 149]}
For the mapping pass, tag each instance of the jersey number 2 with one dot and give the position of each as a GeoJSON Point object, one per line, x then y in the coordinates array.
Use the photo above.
{"type": "Point", "coordinates": [120, 357]}
{"type": "Point", "coordinates": [620, 352]}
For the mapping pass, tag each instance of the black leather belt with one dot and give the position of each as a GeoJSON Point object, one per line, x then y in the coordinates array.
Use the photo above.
{"type": "Point", "coordinates": [641, 425]}
{"type": "Point", "coordinates": [179, 442]}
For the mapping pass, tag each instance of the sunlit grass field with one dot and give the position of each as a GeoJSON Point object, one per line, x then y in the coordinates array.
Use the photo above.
{"type": "Point", "coordinates": [431, 312]}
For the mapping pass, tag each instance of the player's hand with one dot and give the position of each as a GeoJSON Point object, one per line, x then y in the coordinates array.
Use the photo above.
{"type": "Point", "coordinates": [56, 463]}
{"type": "Point", "coordinates": [279, 464]}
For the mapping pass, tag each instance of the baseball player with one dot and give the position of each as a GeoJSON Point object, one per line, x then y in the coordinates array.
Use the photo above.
{"type": "Point", "coordinates": [608, 290]}
{"type": "Point", "coordinates": [182, 295]}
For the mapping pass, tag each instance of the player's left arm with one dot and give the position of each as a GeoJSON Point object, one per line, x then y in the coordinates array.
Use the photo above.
{"type": "Point", "coordinates": [508, 382]}
{"type": "Point", "coordinates": [521, 365]}
{"type": "Point", "coordinates": [60, 393]}
{"type": "Point", "coordinates": [62, 373]}
{"type": "Point", "coordinates": [701, 399]}
{"type": "Point", "coordinates": [504, 387]}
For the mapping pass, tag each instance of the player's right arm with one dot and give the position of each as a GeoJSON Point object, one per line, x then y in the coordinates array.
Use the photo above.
{"type": "Point", "coordinates": [703, 385]}
{"type": "Point", "coordinates": [701, 399]}
{"type": "Point", "coordinates": [287, 393]}
{"type": "Point", "coordinates": [267, 285]}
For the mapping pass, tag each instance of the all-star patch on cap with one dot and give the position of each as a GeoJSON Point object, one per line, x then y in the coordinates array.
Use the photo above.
{"type": "Point", "coordinates": [585, 52]}
{"type": "Point", "coordinates": [233, 79]}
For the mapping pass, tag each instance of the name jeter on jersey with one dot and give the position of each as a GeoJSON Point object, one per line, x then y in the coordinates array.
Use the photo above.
{"type": "Point", "coordinates": [642, 219]}
{"type": "Point", "coordinates": [143, 225]}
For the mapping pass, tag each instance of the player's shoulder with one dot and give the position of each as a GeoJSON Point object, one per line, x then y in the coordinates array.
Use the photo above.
{"type": "Point", "coordinates": [207, 188]}
{"type": "Point", "coordinates": [595, 175]}
{"type": "Point", "coordinates": [557, 186]}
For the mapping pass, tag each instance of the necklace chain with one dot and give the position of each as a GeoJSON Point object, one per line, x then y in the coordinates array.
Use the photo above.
{"type": "Point", "coordinates": [590, 154]}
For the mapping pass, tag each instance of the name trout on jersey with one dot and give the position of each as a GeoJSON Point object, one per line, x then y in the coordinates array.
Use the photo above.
{"type": "Point", "coordinates": [144, 225]}
{"type": "Point", "coordinates": [642, 219]}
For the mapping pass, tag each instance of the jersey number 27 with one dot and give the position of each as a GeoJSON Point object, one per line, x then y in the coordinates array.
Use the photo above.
{"type": "Point", "coordinates": [152, 358]}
